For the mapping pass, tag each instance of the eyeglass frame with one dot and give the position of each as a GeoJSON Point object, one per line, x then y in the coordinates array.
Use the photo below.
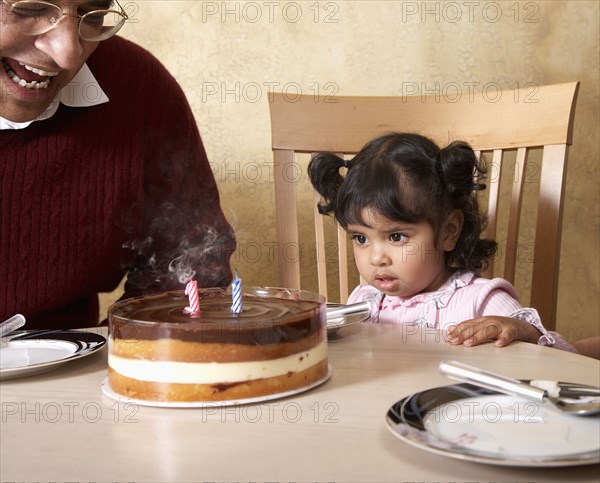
{"type": "Point", "coordinates": [78, 17]}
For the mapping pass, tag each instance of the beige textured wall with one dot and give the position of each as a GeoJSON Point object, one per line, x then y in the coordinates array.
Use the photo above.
{"type": "Point", "coordinates": [229, 55]}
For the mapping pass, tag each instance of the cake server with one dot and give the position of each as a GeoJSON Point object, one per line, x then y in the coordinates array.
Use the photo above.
{"type": "Point", "coordinates": [11, 324]}
{"type": "Point", "coordinates": [8, 326]}
{"type": "Point", "coordinates": [580, 406]}
{"type": "Point", "coordinates": [358, 308]}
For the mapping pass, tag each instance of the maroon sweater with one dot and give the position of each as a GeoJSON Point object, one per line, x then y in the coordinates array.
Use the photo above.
{"type": "Point", "coordinates": [94, 193]}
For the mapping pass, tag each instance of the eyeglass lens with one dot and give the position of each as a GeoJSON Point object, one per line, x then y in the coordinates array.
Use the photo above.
{"type": "Point", "coordinates": [39, 17]}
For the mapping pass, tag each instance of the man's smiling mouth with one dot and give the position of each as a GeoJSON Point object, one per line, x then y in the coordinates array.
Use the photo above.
{"type": "Point", "coordinates": [34, 84]}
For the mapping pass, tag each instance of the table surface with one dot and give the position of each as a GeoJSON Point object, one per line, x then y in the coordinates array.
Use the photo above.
{"type": "Point", "coordinates": [59, 426]}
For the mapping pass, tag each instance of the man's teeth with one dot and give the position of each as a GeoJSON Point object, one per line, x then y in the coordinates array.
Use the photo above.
{"type": "Point", "coordinates": [22, 82]}
{"type": "Point", "coordinates": [38, 71]}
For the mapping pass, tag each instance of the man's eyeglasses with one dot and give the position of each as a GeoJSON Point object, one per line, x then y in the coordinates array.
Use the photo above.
{"type": "Point", "coordinates": [36, 17]}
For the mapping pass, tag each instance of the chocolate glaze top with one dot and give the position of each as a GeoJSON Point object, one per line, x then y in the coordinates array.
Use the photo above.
{"type": "Point", "coordinates": [263, 320]}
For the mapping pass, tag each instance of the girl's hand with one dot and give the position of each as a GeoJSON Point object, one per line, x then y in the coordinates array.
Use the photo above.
{"type": "Point", "coordinates": [503, 330]}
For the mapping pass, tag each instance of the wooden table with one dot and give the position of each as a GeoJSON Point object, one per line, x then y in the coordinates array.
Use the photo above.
{"type": "Point", "coordinates": [59, 426]}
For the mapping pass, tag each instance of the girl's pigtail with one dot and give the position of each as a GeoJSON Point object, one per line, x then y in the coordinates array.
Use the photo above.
{"type": "Point", "coordinates": [462, 171]}
{"type": "Point", "coordinates": [324, 174]}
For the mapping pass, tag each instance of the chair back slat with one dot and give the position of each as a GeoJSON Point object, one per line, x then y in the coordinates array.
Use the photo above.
{"type": "Point", "coordinates": [287, 219]}
{"type": "Point", "coordinates": [516, 200]}
{"type": "Point", "coordinates": [320, 250]}
{"type": "Point", "coordinates": [493, 184]}
{"type": "Point", "coordinates": [546, 255]}
{"type": "Point", "coordinates": [342, 263]}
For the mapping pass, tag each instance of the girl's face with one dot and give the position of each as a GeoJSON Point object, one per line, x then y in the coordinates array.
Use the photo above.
{"type": "Point", "coordinates": [401, 259]}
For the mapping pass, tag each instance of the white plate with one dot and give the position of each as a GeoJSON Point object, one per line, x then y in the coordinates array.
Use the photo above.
{"type": "Point", "coordinates": [34, 352]}
{"type": "Point", "coordinates": [107, 391]}
{"type": "Point", "coordinates": [466, 422]}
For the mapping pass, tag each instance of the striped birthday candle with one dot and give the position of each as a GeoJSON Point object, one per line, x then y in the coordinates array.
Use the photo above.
{"type": "Point", "coordinates": [236, 295]}
{"type": "Point", "coordinates": [191, 290]}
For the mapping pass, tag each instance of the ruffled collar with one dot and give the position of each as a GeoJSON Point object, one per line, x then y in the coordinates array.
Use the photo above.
{"type": "Point", "coordinates": [439, 298]}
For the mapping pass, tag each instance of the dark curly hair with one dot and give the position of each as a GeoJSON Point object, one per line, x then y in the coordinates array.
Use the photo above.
{"type": "Point", "coordinates": [407, 177]}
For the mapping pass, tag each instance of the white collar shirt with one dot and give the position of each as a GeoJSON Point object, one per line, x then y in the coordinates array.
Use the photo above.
{"type": "Point", "coordinates": [83, 91]}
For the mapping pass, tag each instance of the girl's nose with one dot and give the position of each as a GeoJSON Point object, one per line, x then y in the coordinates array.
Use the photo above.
{"type": "Point", "coordinates": [62, 43]}
{"type": "Point", "coordinates": [379, 256]}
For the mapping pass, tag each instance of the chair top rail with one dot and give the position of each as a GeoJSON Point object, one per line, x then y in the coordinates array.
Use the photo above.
{"type": "Point", "coordinates": [527, 117]}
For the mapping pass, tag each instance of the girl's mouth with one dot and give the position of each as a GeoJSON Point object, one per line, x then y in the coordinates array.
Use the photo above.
{"type": "Point", "coordinates": [385, 282]}
{"type": "Point", "coordinates": [38, 78]}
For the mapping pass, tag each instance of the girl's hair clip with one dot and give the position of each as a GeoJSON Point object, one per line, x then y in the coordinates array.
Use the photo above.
{"type": "Point", "coordinates": [347, 163]}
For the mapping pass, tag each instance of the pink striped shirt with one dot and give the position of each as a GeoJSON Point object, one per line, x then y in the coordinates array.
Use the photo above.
{"type": "Point", "coordinates": [463, 296]}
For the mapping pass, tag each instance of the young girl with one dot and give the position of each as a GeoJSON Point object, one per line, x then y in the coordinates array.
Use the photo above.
{"type": "Point", "coordinates": [411, 210]}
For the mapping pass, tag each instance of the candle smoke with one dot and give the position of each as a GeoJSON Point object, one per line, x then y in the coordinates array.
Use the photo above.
{"type": "Point", "coordinates": [178, 249]}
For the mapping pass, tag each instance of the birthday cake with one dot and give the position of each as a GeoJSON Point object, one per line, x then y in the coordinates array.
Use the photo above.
{"type": "Point", "coordinates": [159, 352]}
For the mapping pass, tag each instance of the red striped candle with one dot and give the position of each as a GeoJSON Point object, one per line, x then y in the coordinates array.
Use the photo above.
{"type": "Point", "coordinates": [191, 290]}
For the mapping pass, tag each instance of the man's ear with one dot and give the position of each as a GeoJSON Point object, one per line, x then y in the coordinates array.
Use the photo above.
{"type": "Point", "coordinates": [451, 230]}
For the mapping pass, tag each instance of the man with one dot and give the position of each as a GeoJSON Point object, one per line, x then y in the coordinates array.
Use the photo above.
{"type": "Point", "coordinates": [102, 169]}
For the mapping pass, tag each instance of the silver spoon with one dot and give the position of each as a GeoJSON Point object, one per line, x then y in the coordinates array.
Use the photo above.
{"type": "Point", "coordinates": [580, 406]}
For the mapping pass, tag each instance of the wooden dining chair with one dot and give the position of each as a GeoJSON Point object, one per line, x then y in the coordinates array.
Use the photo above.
{"type": "Point", "coordinates": [528, 130]}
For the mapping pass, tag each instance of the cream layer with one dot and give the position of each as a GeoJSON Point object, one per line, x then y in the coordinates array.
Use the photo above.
{"type": "Point", "coordinates": [215, 372]}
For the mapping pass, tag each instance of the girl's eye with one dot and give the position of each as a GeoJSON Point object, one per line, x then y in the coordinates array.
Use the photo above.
{"type": "Point", "coordinates": [397, 237]}
{"type": "Point", "coordinates": [359, 239]}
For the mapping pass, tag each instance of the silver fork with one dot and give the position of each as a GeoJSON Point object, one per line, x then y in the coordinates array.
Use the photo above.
{"type": "Point", "coordinates": [581, 406]}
